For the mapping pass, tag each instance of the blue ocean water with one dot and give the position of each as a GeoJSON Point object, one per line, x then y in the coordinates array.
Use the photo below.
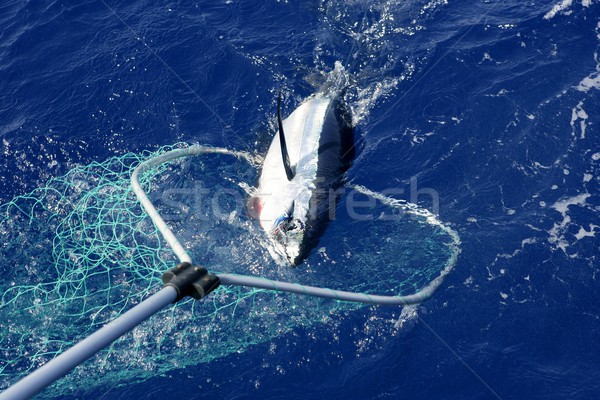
{"type": "Point", "coordinates": [490, 104]}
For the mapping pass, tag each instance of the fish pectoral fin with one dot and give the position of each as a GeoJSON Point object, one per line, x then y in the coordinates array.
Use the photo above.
{"type": "Point", "coordinates": [284, 153]}
{"type": "Point", "coordinates": [290, 209]}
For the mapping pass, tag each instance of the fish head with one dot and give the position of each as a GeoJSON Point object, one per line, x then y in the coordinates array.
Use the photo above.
{"type": "Point", "coordinates": [284, 230]}
{"type": "Point", "coordinates": [286, 242]}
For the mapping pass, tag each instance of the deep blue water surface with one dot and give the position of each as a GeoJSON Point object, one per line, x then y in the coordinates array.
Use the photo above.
{"type": "Point", "coordinates": [492, 104]}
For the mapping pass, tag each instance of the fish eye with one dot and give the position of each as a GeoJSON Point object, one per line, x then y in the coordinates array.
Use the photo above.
{"type": "Point", "coordinates": [254, 207]}
{"type": "Point", "coordinates": [295, 225]}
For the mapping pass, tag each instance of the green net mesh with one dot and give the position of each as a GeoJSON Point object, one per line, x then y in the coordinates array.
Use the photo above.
{"type": "Point", "coordinates": [79, 251]}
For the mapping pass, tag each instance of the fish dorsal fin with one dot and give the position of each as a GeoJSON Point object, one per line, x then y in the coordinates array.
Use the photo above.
{"type": "Point", "coordinates": [284, 153]}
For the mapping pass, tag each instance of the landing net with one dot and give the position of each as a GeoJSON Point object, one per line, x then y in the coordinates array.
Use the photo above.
{"type": "Point", "coordinates": [80, 251]}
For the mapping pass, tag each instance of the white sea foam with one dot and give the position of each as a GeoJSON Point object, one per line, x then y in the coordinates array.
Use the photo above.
{"type": "Point", "coordinates": [558, 231]}
{"type": "Point", "coordinates": [562, 206]}
{"type": "Point", "coordinates": [564, 6]}
{"type": "Point", "coordinates": [585, 233]}
{"type": "Point", "coordinates": [408, 317]}
{"type": "Point", "coordinates": [589, 82]}
{"type": "Point", "coordinates": [579, 114]}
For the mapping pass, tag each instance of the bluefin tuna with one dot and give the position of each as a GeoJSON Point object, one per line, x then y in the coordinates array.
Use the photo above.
{"type": "Point", "coordinates": [302, 174]}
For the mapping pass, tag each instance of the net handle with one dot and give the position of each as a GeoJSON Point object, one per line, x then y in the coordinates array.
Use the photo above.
{"type": "Point", "coordinates": [252, 281]}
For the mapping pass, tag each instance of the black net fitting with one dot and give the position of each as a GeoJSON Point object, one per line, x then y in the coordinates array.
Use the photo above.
{"type": "Point", "coordinates": [190, 280]}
